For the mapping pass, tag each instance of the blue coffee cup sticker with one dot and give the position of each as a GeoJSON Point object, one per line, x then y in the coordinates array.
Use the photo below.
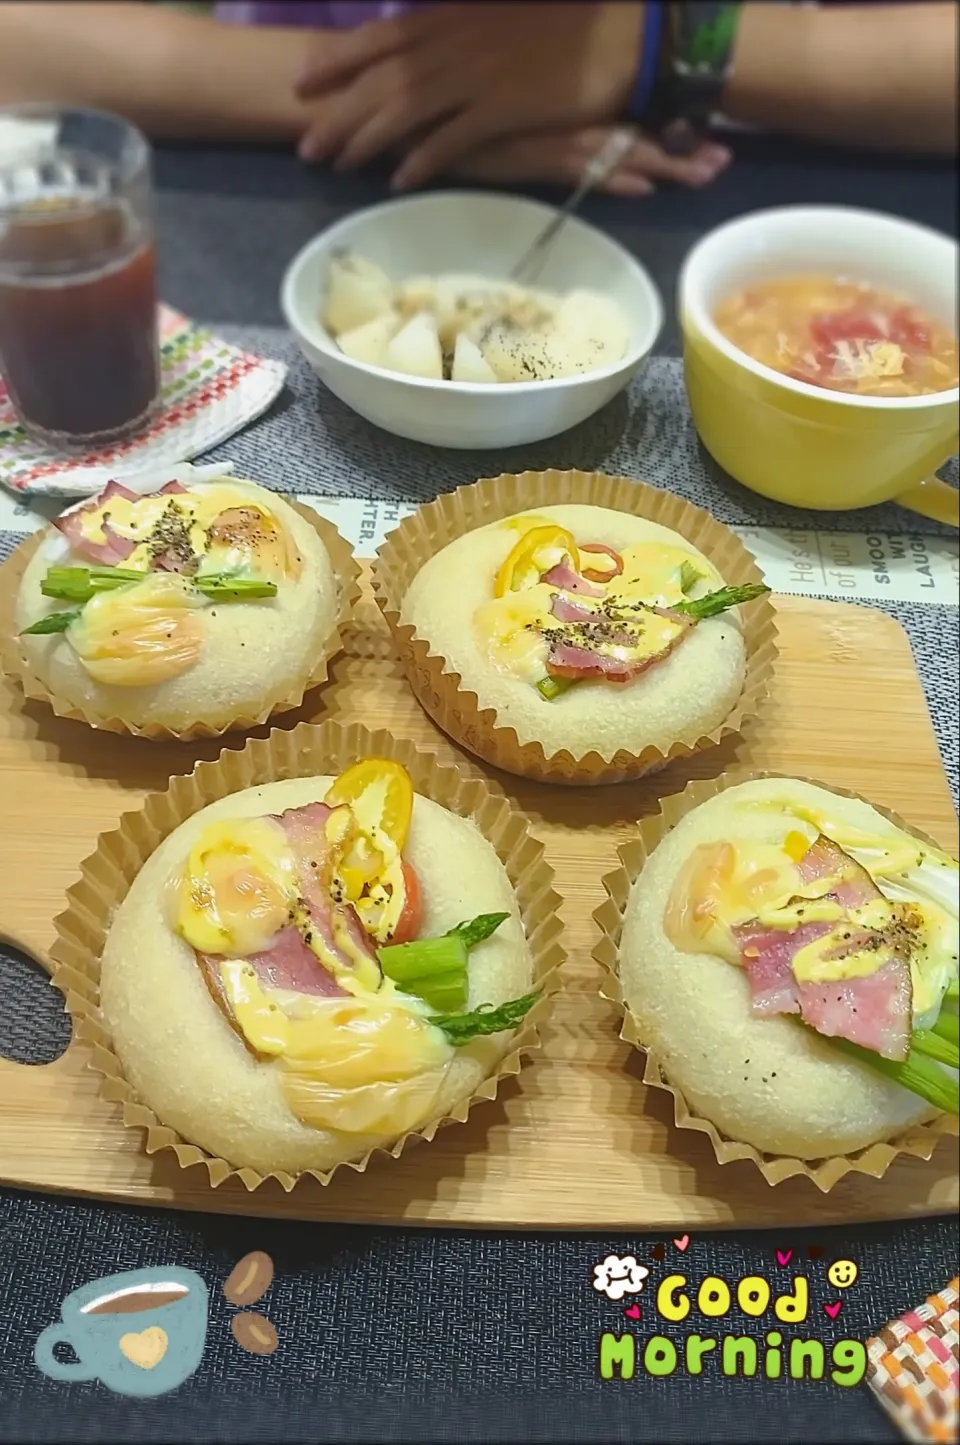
{"type": "Point", "coordinates": [139, 1333]}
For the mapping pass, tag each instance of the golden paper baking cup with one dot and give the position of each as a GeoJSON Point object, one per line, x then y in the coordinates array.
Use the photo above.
{"type": "Point", "coordinates": [458, 711]}
{"type": "Point", "coordinates": [308, 750]}
{"type": "Point", "coordinates": [13, 662]}
{"type": "Point", "coordinates": [919, 1140]}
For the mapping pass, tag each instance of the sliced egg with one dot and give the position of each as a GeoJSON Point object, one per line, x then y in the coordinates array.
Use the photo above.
{"type": "Point", "coordinates": [238, 887]}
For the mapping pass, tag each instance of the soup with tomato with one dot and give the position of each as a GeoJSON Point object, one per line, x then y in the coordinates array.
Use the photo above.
{"type": "Point", "coordinates": [841, 335]}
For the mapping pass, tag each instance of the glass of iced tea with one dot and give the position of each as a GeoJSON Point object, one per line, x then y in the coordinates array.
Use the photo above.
{"type": "Point", "coordinates": [78, 302]}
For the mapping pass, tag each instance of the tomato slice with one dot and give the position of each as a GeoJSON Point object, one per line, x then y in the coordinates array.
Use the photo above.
{"type": "Point", "coordinates": [536, 552]}
{"type": "Point", "coordinates": [408, 924]}
{"type": "Point", "coordinates": [853, 325]}
{"type": "Point", "coordinates": [380, 795]}
{"type": "Point", "coordinates": [909, 331]}
{"type": "Point", "coordinates": [597, 574]}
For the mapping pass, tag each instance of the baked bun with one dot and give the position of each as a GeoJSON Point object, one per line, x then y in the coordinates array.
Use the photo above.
{"type": "Point", "coordinates": [572, 654]}
{"type": "Point", "coordinates": [195, 1056]}
{"type": "Point", "coordinates": [713, 1022]}
{"type": "Point", "coordinates": [159, 651]}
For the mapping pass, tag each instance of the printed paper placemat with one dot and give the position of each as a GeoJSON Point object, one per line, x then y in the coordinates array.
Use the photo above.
{"type": "Point", "coordinates": [865, 567]}
{"type": "Point", "coordinates": [209, 391]}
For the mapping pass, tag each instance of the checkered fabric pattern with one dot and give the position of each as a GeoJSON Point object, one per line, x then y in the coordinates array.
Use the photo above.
{"type": "Point", "coordinates": [913, 1368]}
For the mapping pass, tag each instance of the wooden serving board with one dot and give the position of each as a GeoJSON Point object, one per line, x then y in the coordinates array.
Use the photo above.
{"type": "Point", "coordinates": [576, 1142]}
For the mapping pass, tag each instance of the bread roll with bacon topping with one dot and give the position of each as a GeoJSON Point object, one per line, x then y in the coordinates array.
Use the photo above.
{"type": "Point", "coordinates": [781, 948]}
{"type": "Point", "coordinates": [196, 604]}
{"type": "Point", "coordinates": [220, 1064]}
{"type": "Point", "coordinates": [569, 622]}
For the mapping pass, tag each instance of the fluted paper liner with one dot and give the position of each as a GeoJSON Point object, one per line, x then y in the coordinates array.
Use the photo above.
{"type": "Point", "coordinates": [457, 710]}
{"type": "Point", "coordinates": [919, 1141]}
{"type": "Point", "coordinates": [307, 750]}
{"type": "Point", "coordinates": [13, 662]}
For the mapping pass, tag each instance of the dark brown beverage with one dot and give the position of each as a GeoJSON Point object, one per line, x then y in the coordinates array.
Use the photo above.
{"type": "Point", "coordinates": [136, 1300]}
{"type": "Point", "coordinates": [78, 331]}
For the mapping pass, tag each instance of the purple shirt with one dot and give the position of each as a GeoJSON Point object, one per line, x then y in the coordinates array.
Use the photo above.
{"type": "Point", "coordinates": [310, 17]}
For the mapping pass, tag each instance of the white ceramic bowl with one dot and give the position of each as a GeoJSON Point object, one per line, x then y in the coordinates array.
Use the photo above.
{"type": "Point", "coordinates": [485, 234]}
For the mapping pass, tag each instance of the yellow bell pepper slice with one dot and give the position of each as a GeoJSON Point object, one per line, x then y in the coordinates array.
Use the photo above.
{"type": "Point", "coordinates": [536, 552]}
{"type": "Point", "coordinates": [380, 794]}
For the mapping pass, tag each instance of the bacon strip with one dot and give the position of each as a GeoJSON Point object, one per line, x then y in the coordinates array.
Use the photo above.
{"type": "Point", "coordinates": [288, 963]}
{"type": "Point", "coordinates": [567, 609]}
{"type": "Point", "coordinates": [874, 1010]}
{"type": "Point", "coordinates": [564, 576]}
{"type": "Point", "coordinates": [113, 550]}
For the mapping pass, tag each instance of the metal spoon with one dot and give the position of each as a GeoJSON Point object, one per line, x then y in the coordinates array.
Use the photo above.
{"type": "Point", "coordinates": [607, 158]}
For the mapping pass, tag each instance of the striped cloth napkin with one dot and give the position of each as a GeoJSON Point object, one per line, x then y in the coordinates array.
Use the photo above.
{"type": "Point", "coordinates": [913, 1368]}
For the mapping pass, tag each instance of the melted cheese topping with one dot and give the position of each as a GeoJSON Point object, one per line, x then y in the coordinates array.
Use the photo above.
{"type": "Point", "coordinates": [146, 633]}
{"type": "Point", "coordinates": [511, 628]}
{"type": "Point", "coordinates": [370, 1065]}
{"type": "Point", "coordinates": [367, 1063]}
{"type": "Point", "coordinates": [723, 886]}
{"type": "Point", "coordinates": [264, 547]}
{"type": "Point", "coordinates": [136, 519]}
{"type": "Point", "coordinates": [262, 1021]}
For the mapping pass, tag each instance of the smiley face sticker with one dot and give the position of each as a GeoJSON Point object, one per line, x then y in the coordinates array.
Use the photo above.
{"type": "Point", "coordinates": [842, 1273]}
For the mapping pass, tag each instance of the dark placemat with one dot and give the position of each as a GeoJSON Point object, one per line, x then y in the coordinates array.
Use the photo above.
{"type": "Point", "coordinates": [401, 1335]}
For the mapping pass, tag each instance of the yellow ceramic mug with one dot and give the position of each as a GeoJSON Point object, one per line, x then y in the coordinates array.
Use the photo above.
{"type": "Point", "coordinates": [801, 444]}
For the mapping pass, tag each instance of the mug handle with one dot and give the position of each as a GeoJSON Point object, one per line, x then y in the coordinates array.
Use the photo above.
{"type": "Point", "coordinates": [934, 499]}
{"type": "Point", "coordinates": [48, 1364]}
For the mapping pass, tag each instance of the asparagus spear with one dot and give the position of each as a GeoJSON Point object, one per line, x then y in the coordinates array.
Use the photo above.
{"type": "Point", "coordinates": [689, 576]}
{"type": "Point", "coordinates": [461, 1028]}
{"type": "Point", "coordinates": [435, 969]}
{"type": "Point", "coordinates": [475, 930]}
{"type": "Point", "coordinates": [918, 1073]}
{"type": "Point", "coordinates": [721, 600]}
{"type": "Point", "coordinates": [554, 687]}
{"type": "Point", "coordinates": [79, 584]}
{"type": "Point", "coordinates": [935, 1046]}
{"type": "Point", "coordinates": [948, 1027]}
{"type": "Point", "coordinates": [53, 622]}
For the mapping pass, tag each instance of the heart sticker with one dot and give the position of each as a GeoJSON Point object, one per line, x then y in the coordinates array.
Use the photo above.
{"type": "Point", "coordinates": [814, 1252]}
{"type": "Point", "coordinates": [658, 1252]}
{"type": "Point", "coordinates": [632, 1312]}
{"type": "Point", "coordinates": [834, 1309]}
{"type": "Point", "coordinates": [682, 1242]}
{"type": "Point", "coordinates": [784, 1256]}
{"type": "Point", "coordinates": [147, 1348]}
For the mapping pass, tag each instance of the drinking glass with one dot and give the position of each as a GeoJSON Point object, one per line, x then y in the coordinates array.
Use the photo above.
{"type": "Point", "coordinates": [78, 303]}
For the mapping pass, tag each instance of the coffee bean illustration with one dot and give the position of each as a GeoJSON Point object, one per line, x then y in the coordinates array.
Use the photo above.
{"type": "Point", "coordinates": [254, 1333]}
{"type": "Point", "coordinates": [250, 1279]}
